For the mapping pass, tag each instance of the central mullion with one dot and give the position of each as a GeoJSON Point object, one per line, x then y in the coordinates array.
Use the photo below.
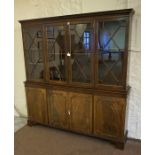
{"type": "Point", "coordinates": [68, 50]}
{"type": "Point", "coordinates": [45, 52]}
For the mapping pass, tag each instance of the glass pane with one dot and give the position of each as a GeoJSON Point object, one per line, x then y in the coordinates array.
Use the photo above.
{"type": "Point", "coordinates": [111, 36]}
{"type": "Point", "coordinates": [111, 45]}
{"type": "Point", "coordinates": [81, 37]}
{"type": "Point", "coordinates": [81, 42]}
{"type": "Point", "coordinates": [33, 44]}
{"type": "Point", "coordinates": [110, 68]}
{"type": "Point", "coordinates": [81, 67]}
{"type": "Point", "coordinates": [56, 53]}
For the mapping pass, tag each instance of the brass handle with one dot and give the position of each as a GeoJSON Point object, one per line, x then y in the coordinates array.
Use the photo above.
{"type": "Point", "coordinates": [68, 54]}
{"type": "Point", "coordinates": [69, 112]}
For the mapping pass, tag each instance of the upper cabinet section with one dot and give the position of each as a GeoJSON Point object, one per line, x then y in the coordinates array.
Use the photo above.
{"type": "Point", "coordinates": [86, 50]}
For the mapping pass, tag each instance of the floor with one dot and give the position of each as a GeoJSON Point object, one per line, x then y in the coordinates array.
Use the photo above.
{"type": "Point", "coordinates": [19, 123]}
{"type": "Point", "coordinates": [40, 140]}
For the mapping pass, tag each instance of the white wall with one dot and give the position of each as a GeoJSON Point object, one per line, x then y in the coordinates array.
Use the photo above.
{"type": "Point", "coordinates": [26, 9]}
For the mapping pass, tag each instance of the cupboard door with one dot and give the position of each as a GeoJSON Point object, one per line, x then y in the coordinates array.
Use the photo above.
{"type": "Point", "coordinates": [37, 106]}
{"type": "Point", "coordinates": [56, 53]}
{"type": "Point", "coordinates": [81, 49]}
{"type": "Point", "coordinates": [34, 55]}
{"type": "Point", "coordinates": [109, 115]}
{"type": "Point", "coordinates": [58, 103]}
{"type": "Point", "coordinates": [81, 112]}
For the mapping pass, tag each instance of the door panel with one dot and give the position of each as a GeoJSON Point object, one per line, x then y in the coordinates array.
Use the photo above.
{"type": "Point", "coordinates": [81, 112]}
{"type": "Point", "coordinates": [109, 116]}
{"type": "Point", "coordinates": [37, 106]}
{"type": "Point", "coordinates": [81, 49]}
{"type": "Point", "coordinates": [111, 39]}
{"type": "Point", "coordinates": [56, 48]}
{"type": "Point", "coordinates": [34, 57]}
{"type": "Point", "coordinates": [58, 103]}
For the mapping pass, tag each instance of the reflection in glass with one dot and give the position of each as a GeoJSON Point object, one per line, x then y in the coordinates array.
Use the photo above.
{"type": "Point", "coordinates": [56, 53]}
{"type": "Point", "coordinates": [111, 45]}
{"type": "Point", "coordinates": [34, 52]}
{"type": "Point", "coordinates": [112, 35]}
{"type": "Point", "coordinates": [86, 40]}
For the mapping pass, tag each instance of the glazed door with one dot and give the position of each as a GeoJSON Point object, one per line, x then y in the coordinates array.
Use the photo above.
{"type": "Point", "coordinates": [80, 53]}
{"type": "Point", "coordinates": [80, 112]}
{"type": "Point", "coordinates": [34, 54]}
{"type": "Point", "coordinates": [56, 53]}
{"type": "Point", "coordinates": [37, 106]}
{"type": "Point", "coordinates": [58, 105]}
{"type": "Point", "coordinates": [111, 52]}
{"type": "Point", "coordinates": [109, 115]}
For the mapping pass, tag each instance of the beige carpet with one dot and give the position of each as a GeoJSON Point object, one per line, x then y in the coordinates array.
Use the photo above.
{"type": "Point", "coordinates": [39, 140]}
{"type": "Point", "coordinates": [19, 122]}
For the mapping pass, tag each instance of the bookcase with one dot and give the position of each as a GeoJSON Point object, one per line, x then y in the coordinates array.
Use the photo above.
{"type": "Point", "coordinates": [76, 69]}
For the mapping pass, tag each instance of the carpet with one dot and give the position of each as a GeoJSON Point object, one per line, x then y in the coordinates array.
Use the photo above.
{"type": "Point", "coordinates": [40, 140]}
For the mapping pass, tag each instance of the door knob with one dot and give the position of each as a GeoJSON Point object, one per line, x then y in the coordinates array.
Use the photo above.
{"type": "Point", "coordinates": [69, 112]}
{"type": "Point", "coordinates": [68, 54]}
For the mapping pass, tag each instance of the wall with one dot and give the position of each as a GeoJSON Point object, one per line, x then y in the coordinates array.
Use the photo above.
{"type": "Point", "coordinates": [39, 8]}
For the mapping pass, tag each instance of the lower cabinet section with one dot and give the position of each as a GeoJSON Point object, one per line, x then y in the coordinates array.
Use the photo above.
{"type": "Point", "coordinates": [37, 105]}
{"type": "Point", "coordinates": [109, 116]}
{"type": "Point", "coordinates": [96, 115]}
